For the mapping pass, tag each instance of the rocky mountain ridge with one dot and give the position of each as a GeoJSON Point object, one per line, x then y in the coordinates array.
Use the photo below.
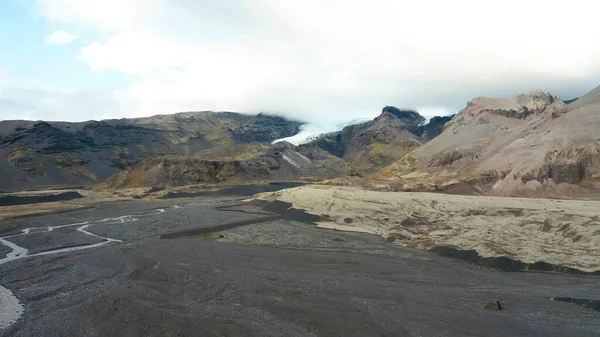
{"type": "Point", "coordinates": [373, 145]}
{"type": "Point", "coordinates": [530, 145]}
{"type": "Point", "coordinates": [354, 151]}
{"type": "Point", "coordinates": [37, 153]}
{"type": "Point", "coordinates": [256, 162]}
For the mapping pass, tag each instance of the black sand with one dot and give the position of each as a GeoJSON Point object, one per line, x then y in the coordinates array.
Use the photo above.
{"type": "Point", "coordinates": [278, 277]}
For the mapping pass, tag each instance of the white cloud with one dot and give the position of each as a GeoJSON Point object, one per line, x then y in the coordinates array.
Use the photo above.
{"type": "Point", "coordinates": [60, 38]}
{"type": "Point", "coordinates": [22, 99]}
{"type": "Point", "coordinates": [18, 102]}
{"type": "Point", "coordinates": [334, 60]}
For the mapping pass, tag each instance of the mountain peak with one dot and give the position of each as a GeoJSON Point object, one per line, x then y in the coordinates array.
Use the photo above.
{"type": "Point", "coordinates": [537, 100]}
{"type": "Point", "coordinates": [409, 117]}
{"type": "Point", "coordinates": [520, 107]}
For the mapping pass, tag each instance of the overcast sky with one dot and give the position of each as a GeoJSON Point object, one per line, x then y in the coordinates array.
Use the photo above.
{"type": "Point", "coordinates": [315, 60]}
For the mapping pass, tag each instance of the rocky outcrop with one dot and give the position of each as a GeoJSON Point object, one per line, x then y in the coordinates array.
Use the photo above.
{"type": "Point", "coordinates": [533, 102]}
{"type": "Point", "coordinates": [572, 165]}
{"type": "Point", "coordinates": [494, 306]}
{"type": "Point", "coordinates": [408, 117]}
{"type": "Point", "coordinates": [434, 128]}
{"type": "Point", "coordinates": [538, 101]}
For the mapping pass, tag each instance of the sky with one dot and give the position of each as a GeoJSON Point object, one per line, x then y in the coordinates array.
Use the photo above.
{"type": "Point", "coordinates": [319, 61]}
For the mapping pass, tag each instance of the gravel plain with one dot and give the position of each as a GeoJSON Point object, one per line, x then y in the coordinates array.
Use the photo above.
{"type": "Point", "coordinates": [278, 277]}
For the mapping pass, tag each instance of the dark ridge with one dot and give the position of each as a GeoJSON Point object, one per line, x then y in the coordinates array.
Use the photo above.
{"type": "Point", "coordinates": [280, 209]}
{"type": "Point", "coordinates": [434, 127]}
{"type": "Point", "coordinates": [585, 303]}
{"type": "Point", "coordinates": [569, 101]}
{"type": "Point", "coordinates": [410, 114]}
{"type": "Point", "coordinates": [13, 200]}
{"type": "Point", "coordinates": [219, 228]}
{"type": "Point", "coordinates": [266, 128]}
{"type": "Point", "coordinates": [244, 191]}
{"type": "Point", "coordinates": [504, 263]}
{"type": "Point", "coordinates": [286, 211]}
{"type": "Point", "coordinates": [59, 188]}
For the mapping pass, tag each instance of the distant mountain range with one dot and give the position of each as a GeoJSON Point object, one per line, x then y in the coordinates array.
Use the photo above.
{"type": "Point", "coordinates": [532, 145]}
{"type": "Point", "coordinates": [35, 154]}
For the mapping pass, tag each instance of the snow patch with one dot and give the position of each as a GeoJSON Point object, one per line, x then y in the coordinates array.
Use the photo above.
{"type": "Point", "coordinates": [426, 121]}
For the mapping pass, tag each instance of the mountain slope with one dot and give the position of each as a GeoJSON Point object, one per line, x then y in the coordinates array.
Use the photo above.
{"type": "Point", "coordinates": [239, 163]}
{"type": "Point", "coordinates": [34, 154]}
{"type": "Point", "coordinates": [356, 150]}
{"type": "Point", "coordinates": [533, 144]}
{"type": "Point", "coordinates": [373, 145]}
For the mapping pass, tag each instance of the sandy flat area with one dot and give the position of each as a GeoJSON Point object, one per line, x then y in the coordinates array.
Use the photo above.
{"type": "Point", "coordinates": [560, 232]}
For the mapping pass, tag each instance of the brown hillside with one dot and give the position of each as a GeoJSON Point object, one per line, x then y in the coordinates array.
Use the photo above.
{"type": "Point", "coordinates": [533, 144]}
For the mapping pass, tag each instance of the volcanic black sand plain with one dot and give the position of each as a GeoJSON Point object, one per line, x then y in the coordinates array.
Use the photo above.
{"type": "Point", "coordinates": [220, 267]}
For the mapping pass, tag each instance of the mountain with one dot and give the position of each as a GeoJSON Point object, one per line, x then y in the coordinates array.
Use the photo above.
{"type": "Point", "coordinates": [375, 144]}
{"type": "Point", "coordinates": [433, 128]}
{"type": "Point", "coordinates": [235, 164]}
{"type": "Point", "coordinates": [532, 145]}
{"type": "Point", "coordinates": [357, 150]}
{"type": "Point", "coordinates": [35, 153]}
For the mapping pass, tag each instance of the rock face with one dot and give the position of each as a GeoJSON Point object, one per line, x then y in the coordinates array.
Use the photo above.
{"type": "Point", "coordinates": [434, 128]}
{"type": "Point", "coordinates": [538, 101]}
{"type": "Point", "coordinates": [531, 145]}
{"type": "Point", "coordinates": [35, 154]}
{"type": "Point", "coordinates": [408, 117]}
{"type": "Point", "coordinates": [373, 145]}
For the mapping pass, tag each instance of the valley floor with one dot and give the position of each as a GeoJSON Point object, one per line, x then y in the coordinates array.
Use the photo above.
{"type": "Point", "coordinates": [220, 266]}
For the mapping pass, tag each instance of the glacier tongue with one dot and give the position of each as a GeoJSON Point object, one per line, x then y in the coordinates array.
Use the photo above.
{"type": "Point", "coordinates": [309, 131]}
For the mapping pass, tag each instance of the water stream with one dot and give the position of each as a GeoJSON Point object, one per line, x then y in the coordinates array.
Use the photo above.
{"type": "Point", "coordinates": [10, 307]}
